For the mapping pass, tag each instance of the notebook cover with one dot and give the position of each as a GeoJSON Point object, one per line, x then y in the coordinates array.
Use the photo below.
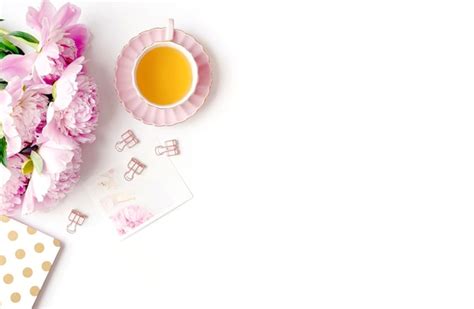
{"type": "Point", "coordinates": [26, 257]}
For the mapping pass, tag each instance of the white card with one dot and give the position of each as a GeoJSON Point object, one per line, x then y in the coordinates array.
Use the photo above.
{"type": "Point", "coordinates": [132, 205]}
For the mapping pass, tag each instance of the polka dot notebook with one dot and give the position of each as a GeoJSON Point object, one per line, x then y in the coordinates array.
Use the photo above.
{"type": "Point", "coordinates": [26, 257]}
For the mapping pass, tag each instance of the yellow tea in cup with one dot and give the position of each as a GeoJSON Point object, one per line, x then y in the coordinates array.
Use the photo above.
{"type": "Point", "coordinates": [164, 75]}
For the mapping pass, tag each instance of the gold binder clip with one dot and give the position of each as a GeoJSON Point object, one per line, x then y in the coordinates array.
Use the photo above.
{"type": "Point", "coordinates": [76, 218]}
{"type": "Point", "coordinates": [135, 167]}
{"type": "Point", "coordinates": [128, 140]}
{"type": "Point", "coordinates": [170, 148]}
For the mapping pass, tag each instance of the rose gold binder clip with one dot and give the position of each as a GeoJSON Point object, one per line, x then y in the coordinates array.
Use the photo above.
{"type": "Point", "coordinates": [76, 218]}
{"type": "Point", "coordinates": [128, 140]}
{"type": "Point", "coordinates": [170, 148]}
{"type": "Point", "coordinates": [135, 167]}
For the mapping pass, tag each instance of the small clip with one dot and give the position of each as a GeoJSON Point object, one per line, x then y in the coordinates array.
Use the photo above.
{"type": "Point", "coordinates": [76, 218]}
{"type": "Point", "coordinates": [134, 167]}
{"type": "Point", "coordinates": [128, 140]}
{"type": "Point", "coordinates": [170, 148]}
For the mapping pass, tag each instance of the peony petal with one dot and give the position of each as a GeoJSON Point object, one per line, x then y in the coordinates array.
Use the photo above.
{"type": "Point", "coordinates": [52, 134]}
{"type": "Point", "coordinates": [17, 65]}
{"type": "Point", "coordinates": [55, 157]}
{"type": "Point", "coordinates": [66, 85]}
{"type": "Point", "coordinates": [34, 18]}
{"type": "Point", "coordinates": [5, 102]}
{"type": "Point", "coordinates": [11, 134]}
{"type": "Point", "coordinates": [40, 182]}
{"type": "Point", "coordinates": [28, 205]}
{"type": "Point", "coordinates": [4, 175]}
{"type": "Point", "coordinates": [80, 35]}
{"type": "Point", "coordinates": [15, 89]}
{"type": "Point", "coordinates": [68, 14]}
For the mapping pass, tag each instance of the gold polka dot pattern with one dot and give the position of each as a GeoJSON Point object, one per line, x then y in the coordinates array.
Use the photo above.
{"type": "Point", "coordinates": [8, 278]}
{"type": "Point", "coordinates": [26, 259]}
{"type": "Point", "coordinates": [20, 253]}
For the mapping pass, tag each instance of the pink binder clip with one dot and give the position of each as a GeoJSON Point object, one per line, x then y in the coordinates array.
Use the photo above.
{"type": "Point", "coordinates": [128, 140]}
{"type": "Point", "coordinates": [135, 167]}
{"type": "Point", "coordinates": [76, 218]}
{"type": "Point", "coordinates": [170, 148]}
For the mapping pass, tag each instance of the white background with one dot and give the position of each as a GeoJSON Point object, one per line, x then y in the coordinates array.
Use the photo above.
{"type": "Point", "coordinates": [332, 167]}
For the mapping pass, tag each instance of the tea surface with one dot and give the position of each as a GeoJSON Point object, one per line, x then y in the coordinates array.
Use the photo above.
{"type": "Point", "coordinates": [164, 75]}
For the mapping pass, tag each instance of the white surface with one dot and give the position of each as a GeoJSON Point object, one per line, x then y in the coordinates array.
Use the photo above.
{"type": "Point", "coordinates": [332, 166]}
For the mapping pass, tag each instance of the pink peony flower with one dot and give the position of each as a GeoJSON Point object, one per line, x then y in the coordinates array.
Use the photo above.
{"type": "Point", "coordinates": [61, 40]}
{"type": "Point", "coordinates": [29, 113]}
{"type": "Point", "coordinates": [68, 52]}
{"type": "Point", "coordinates": [61, 160]}
{"type": "Point", "coordinates": [130, 217]}
{"type": "Point", "coordinates": [31, 121]}
{"type": "Point", "coordinates": [62, 183]}
{"type": "Point", "coordinates": [11, 194]}
{"type": "Point", "coordinates": [79, 119]}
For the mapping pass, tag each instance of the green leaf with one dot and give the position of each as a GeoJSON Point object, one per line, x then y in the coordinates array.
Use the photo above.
{"type": "Point", "coordinates": [3, 84]}
{"type": "Point", "coordinates": [28, 38]}
{"type": "Point", "coordinates": [9, 47]}
{"type": "Point", "coordinates": [3, 151]}
{"type": "Point", "coordinates": [2, 54]}
{"type": "Point", "coordinates": [37, 161]}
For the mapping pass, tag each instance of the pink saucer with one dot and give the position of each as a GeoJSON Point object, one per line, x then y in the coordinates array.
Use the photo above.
{"type": "Point", "coordinates": [130, 96]}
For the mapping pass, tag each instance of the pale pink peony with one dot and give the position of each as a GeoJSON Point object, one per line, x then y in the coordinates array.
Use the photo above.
{"type": "Point", "coordinates": [29, 114]}
{"type": "Point", "coordinates": [130, 217]}
{"type": "Point", "coordinates": [11, 194]}
{"type": "Point", "coordinates": [68, 52]}
{"type": "Point", "coordinates": [54, 129]}
{"type": "Point", "coordinates": [62, 183]}
{"type": "Point", "coordinates": [62, 40]}
{"type": "Point", "coordinates": [79, 119]}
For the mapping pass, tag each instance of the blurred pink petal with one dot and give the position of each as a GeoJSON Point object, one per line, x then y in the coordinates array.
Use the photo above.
{"type": "Point", "coordinates": [40, 183]}
{"type": "Point", "coordinates": [11, 192]}
{"type": "Point", "coordinates": [28, 204]}
{"type": "Point", "coordinates": [20, 66]}
{"type": "Point", "coordinates": [4, 175]}
{"type": "Point", "coordinates": [68, 14]}
{"type": "Point", "coordinates": [6, 119]}
{"type": "Point", "coordinates": [66, 85]}
{"type": "Point", "coordinates": [34, 18]}
{"type": "Point", "coordinates": [52, 133]}
{"type": "Point", "coordinates": [80, 35]}
{"type": "Point", "coordinates": [55, 157]}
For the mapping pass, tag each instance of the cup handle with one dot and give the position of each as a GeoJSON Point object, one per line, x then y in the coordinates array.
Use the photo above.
{"type": "Point", "coordinates": [170, 30]}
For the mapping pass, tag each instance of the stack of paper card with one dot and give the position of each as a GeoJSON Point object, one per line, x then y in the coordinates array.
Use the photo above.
{"type": "Point", "coordinates": [26, 257]}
